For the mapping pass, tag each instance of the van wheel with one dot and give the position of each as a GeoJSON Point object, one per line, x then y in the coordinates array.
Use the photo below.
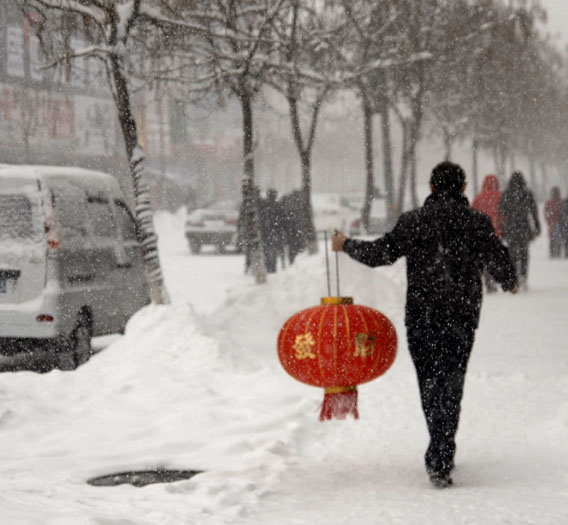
{"type": "Point", "coordinates": [77, 349]}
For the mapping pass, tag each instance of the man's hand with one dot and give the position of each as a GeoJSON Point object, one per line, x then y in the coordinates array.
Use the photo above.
{"type": "Point", "coordinates": [338, 240]}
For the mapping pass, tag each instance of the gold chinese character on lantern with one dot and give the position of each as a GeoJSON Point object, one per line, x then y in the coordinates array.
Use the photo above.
{"type": "Point", "coordinates": [303, 345]}
{"type": "Point", "coordinates": [364, 344]}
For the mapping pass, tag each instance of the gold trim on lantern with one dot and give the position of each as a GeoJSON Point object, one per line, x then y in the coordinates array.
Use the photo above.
{"type": "Point", "coordinates": [337, 300]}
{"type": "Point", "coordinates": [340, 389]}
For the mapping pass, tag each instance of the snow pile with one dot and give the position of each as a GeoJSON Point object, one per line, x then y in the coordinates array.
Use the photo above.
{"type": "Point", "coordinates": [163, 395]}
{"type": "Point", "coordinates": [197, 385]}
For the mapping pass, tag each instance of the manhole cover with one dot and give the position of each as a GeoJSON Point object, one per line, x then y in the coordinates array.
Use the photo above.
{"type": "Point", "coordinates": [140, 478]}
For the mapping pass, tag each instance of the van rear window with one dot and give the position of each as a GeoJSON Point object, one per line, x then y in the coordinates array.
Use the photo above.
{"type": "Point", "coordinates": [16, 221]}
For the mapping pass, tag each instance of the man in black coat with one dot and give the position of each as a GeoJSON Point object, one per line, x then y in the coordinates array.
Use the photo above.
{"type": "Point", "coordinates": [520, 223]}
{"type": "Point", "coordinates": [271, 224]}
{"type": "Point", "coordinates": [447, 246]}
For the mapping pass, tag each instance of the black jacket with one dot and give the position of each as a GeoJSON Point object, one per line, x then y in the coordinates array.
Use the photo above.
{"type": "Point", "coordinates": [519, 212]}
{"type": "Point", "coordinates": [447, 245]}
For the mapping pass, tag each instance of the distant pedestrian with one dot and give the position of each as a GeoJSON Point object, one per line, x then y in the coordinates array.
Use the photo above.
{"type": "Point", "coordinates": [487, 201]}
{"type": "Point", "coordinates": [271, 224]}
{"type": "Point", "coordinates": [552, 209]}
{"type": "Point", "coordinates": [447, 246]}
{"type": "Point", "coordinates": [563, 226]}
{"type": "Point", "coordinates": [520, 223]}
{"type": "Point", "coordinates": [295, 236]}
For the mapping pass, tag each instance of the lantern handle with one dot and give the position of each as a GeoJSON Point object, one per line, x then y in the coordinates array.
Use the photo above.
{"type": "Point", "coordinates": [327, 265]}
{"type": "Point", "coordinates": [337, 272]}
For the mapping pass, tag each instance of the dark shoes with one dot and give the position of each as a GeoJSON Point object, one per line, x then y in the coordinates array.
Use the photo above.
{"type": "Point", "coordinates": [440, 481]}
{"type": "Point", "coordinates": [439, 461]}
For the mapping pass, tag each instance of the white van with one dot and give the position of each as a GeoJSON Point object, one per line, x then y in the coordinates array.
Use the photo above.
{"type": "Point", "coordinates": [70, 261]}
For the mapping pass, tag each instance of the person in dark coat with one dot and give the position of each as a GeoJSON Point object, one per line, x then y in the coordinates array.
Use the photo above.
{"type": "Point", "coordinates": [295, 238]}
{"type": "Point", "coordinates": [552, 209]}
{"type": "Point", "coordinates": [271, 229]}
{"type": "Point", "coordinates": [563, 226]}
{"type": "Point", "coordinates": [520, 223]}
{"type": "Point", "coordinates": [447, 246]}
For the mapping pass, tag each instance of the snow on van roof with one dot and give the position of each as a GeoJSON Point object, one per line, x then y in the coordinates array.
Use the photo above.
{"type": "Point", "coordinates": [39, 170]}
{"type": "Point", "coordinates": [93, 178]}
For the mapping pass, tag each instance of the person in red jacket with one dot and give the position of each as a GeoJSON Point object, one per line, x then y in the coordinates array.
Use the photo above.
{"type": "Point", "coordinates": [552, 214]}
{"type": "Point", "coordinates": [488, 202]}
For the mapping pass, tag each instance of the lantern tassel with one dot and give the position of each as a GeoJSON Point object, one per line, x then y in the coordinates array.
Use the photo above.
{"type": "Point", "coordinates": [339, 402]}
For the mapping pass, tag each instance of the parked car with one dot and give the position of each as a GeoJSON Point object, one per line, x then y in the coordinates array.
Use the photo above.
{"type": "Point", "coordinates": [70, 261]}
{"type": "Point", "coordinates": [329, 212]}
{"type": "Point", "coordinates": [215, 225]}
{"type": "Point", "coordinates": [353, 200]}
{"type": "Point", "coordinates": [378, 222]}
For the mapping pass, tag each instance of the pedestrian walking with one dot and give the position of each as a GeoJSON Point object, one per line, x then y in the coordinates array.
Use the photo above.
{"type": "Point", "coordinates": [520, 223]}
{"type": "Point", "coordinates": [447, 246]}
{"type": "Point", "coordinates": [295, 237]}
{"type": "Point", "coordinates": [552, 209]}
{"type": "Point", "coordinates": [563, 226]}
{"type": "Point", "coordinates": [271, 224]}
{"type": "Point", "coordinates": [487, 201]}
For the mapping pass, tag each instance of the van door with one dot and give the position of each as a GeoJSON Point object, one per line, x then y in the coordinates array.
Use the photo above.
{"type": "Point", "coordinates": [106, 258]}
{"type": "Point", "coordinates": [23, 245]}
{"type": "Point", "coordinates": [134, 288]}
{"type": "Point", "coordinates": [76, 273]}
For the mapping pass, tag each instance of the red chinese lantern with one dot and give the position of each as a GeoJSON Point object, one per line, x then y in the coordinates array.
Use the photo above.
{"type": "Point", "coordinates": [337, 345]}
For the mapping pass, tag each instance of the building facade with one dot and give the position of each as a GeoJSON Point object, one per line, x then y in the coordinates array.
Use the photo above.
{"type": "Point", "coordinates": [65, 115]}
{"type": "Point", "coordinates": [57, 115]}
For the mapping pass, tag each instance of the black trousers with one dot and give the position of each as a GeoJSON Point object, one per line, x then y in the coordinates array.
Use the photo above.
{"type": "Point", "coordinates": [440, 355]}
{"type": "Point", "coordinates": [520, 256]}
{"type": "Point", "coordinates": [270, 258]}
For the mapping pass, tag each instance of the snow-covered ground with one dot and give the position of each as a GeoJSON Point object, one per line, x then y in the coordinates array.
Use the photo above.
{"type": "Point", "coordinates": [197, 385]}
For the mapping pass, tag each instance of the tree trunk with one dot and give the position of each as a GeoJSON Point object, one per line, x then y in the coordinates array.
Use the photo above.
{"type": "Point", "coordinates": [251, 219]}
{"type": "Point", "coordinates": [503, 162]}
{"type": "Point", "coordinates": [136, 160]}
{"type": "Point", "coordinates": [29, 109]}
{"type": "Point", "coordinates": [475, 165]}
{"type": "Point", "coordinates": [413, 189]}
{"type": "Point", "coordinates": [387, 162]}
{"type": "Point", "coordinates": [27, 151]}
{"type": "Point", "coordinates": [499, 157]}
{"type": "Point", "coordinates": [305, 152]}
{"type": "Point", "coordinates": [540, 191]}
{"type": "Point", "coordinates": [415, 125]}
{"type": "Point", "coordinates": [405, 160]}
{"type": "Point", "coordinates": [416, 100]}
{"type": "Point", "coordinates": [532, 169]}
{"type": "Point", "coordinates": [513, 162]}
{"type": "Point", "coordinates": [408, 163]}
{"type": "Point", "coordinates": [370, 183]}
{"type": "Point", "coordinates": [307, 197]}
